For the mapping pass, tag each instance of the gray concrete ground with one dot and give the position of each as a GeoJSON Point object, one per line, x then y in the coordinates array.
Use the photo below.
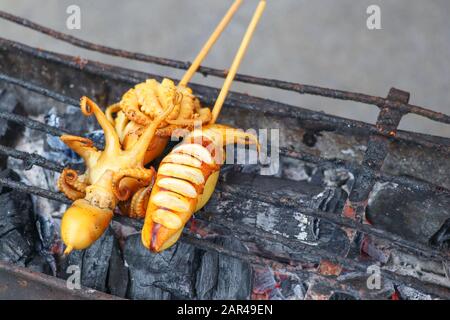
{"type": "Point", "coordinates": [321, 42]}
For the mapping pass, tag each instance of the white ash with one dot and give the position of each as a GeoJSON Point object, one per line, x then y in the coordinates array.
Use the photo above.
{"type": "Point", "coordinates": [299, 292]}
{"type": "Point", "coordinates": [303, 222]}
{"type": "Point", "coordinates": [425, 270]}
{"type": "Point", "coordinates": [37, 176]}
{"type": "Point", "coordinates": [338, 177]}
{"type": "Point", "coordinates": [408, 293]}
{"type": "Point", "coordinates": [267, 219]}
{"type": "Point", "coordinates": [378, 187]}
{"type": "Point", "coordinates": [349, 152]}
{"type": "Point", "coordinates": [297, 173]}
{"type": "Point", "coordinates": [331, 147]}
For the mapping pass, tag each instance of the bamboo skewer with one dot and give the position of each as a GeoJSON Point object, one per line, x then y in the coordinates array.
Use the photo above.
{"type": "Point", "coordinates": [237, 60]}
{"type": "Point", "coordinates": [210, 42]}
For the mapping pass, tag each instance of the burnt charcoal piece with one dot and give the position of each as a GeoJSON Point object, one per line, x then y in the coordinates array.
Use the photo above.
{"type": "Point", "coordinates": [118, 273]}
{"type": "Point", "coordinates": [223, 277]}
{"type": "Point", "coordinates": [166, 275]}
{"type": "Point", "coordinates": [253, 202]}
{"type": "Point", "coordinates": [71, 264]}
{"type": "Point", "coordinates": [92, 263]}
{"type": "Point", "coordinates": [309, 139]}
{"type": "Point", "coordinates": [18, 234]}
{"type": "Point", "coordinates": [415, 215]}
{"type": "Point", "coordinates": [207, 275]}
{"type": "Point", "coordinates": [9, 131]}
{"type": "Point", "coordinates": [441, 238]}
{"type": "Point", "coordinates": [96, 262]}
{"type": "Point", "coordinates": [183, 272]}
{"type": "Point", "coordinates": [40, 263]}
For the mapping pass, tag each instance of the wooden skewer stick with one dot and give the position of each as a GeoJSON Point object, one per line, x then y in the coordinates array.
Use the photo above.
{"type": "Point", "coordinates": [237, 60]}
{"type": "Point", "coordinates": [210, 42]}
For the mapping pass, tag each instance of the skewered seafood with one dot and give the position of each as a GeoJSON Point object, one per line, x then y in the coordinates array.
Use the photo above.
{"type": "Point", "coordinates": [188, 175]}
{"type": "Point", "coordinates": [185, 181]}
{"type": "Point", "coordinates": [112, 175]}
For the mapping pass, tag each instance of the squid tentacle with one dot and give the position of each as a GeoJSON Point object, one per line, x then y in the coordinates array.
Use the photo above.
{"type": "Point", "coordinates": [139, 202]}
{"type": "Point", "coordinates": [69, 184]}
{"type": "Point", "coordinates": [141, 146]}
{"type": "Point", "coordinates": [120, 124]}
{"type": "Point", "coordinates": [169, 98]}
{"type": "Point", "coordinates": [143, 175]}
{"type": "Point", "coordinates": [204, 116]}
{"type": "Point", "coordinates": [171, 129]}
{"type": "Point", "coordinates": [130, 106]}
{"type": "Point", "coordinates": [189, 122]}
{"type": "Point", "coordinates": [189, 112]}
{"type": "Point", "coordinates": [114, 108]}
{"type": "Point", "coordinates": [73, 180]}
{"type": "Point", "coordinates": [149, 95]}
{"type": "Point", "coordinates": [158, 97]}
{"type": "Point", "coordinates": [83, 147]}
{"type": "Point", "coordinates": [89, 107]}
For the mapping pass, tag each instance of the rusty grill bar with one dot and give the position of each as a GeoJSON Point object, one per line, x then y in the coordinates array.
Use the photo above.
{"type": "Point", "coordinates": [392, 109]}
{"type": "Point", "coordinates": [297, 87]}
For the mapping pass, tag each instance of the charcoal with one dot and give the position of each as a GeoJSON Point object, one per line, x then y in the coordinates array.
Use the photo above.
{"type": "Point", "coordinates": [46, 230]}
{"type": "Point", "coordinates": [92, 263]}
{"type": "Point", "coordinates": [39, 263]}
{"type": "Point", "coordinates": [359, 281]}
{"type": "Point", "coordinates": [234, 278]}
{"type": "Point", "coordinates": [224, 277]}
{"type": "Point", "coordinates": [415, 215]}
{"type": "Point", "coordinates": [296, 170]}
{"type": "Point", "coordinates": [69, 263]}
{"type": "Point", "coordinates": [15, 248]}
{"type": "Point", "coordinates": [9, 131]}
{"type": "Point", "coordinates": [96, 262]}
{"type": "Point", "coordinates": [185, 272]}
{"type": "Point", "coordinates": [423, 163]}
{"type": "Point", "coordinates": [268, 284]}
{"type": "Point", "coordinates": [71, 119]}
{"type": "Point", "coordinates": [47, 212]}
{"type": "Point", "coordinates": [280, 220]}
{"type": "Point", "coordinates": [18, 234]}
{"type": "Point", "coordinates": [166, 275]}
{"type": "Point", "coordinates": [265, 284]}
{"type": "Point", "coordinates": [441, 238]}
{"type": "Point", "coordinates": [207, 276]}
{"type": "Point", "coordinates": [118, 273]}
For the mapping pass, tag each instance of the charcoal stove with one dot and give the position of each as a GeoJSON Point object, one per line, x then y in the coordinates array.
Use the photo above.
{"type": "Point", "coordinates": [352, 201]}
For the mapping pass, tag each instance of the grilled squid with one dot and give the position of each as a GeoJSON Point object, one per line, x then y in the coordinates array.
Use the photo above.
{"type": "Point", "coordinates": [140, 105]}
{"type": "Point", "coordinates": [188, 175]}
{"type": "Point", "coordinates": [112, 175]}
{"type": "Point", "coordinates": [185, 181]}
